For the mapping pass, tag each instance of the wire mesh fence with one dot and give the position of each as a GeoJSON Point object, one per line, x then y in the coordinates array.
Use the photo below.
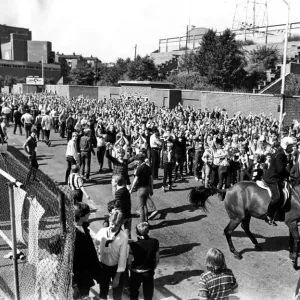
{"type": "Point", "coordinates": [44, 250]}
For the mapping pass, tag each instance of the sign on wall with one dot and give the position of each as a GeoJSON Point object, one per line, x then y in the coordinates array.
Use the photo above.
{"type": "Point", "coordinates": [34, 80]}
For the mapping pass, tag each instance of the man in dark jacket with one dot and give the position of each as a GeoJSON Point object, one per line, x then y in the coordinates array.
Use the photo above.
{"type": "Point", "coordinates": [18, 123]}
{"type": "Point", "coordinates": [145, 255]}
{"type": "Point", "coordinates": [276, 174]}
{"type": "Point", "coordinates": [123, 203]}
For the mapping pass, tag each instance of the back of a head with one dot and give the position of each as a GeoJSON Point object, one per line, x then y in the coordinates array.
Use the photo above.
{"type": "Point", "coordinates": [215, 261]}
{"type": "Point", "coordinates": [81, 210]}
{"type": "Point", "coordinates": [142, 229]}
{"type": "Point", "coordinates": [75, 169]}
{"type": "Point", "coordinates": [116, 218]}
{"type": "Point", "coordinates": [120, 181]}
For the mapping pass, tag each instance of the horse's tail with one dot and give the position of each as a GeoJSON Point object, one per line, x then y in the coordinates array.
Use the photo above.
{"type": "Point", "coordinates": [198, 196]}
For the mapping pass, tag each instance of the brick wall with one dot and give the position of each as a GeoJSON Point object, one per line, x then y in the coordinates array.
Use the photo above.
{"type": "Point", "coordinates": [232, 102]}
{"type": "Point", "coordinates": [292, 109]}
{"type": "Point", "coordinates": [132, 90]}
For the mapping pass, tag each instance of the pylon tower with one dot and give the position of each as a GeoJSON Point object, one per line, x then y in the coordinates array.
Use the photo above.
{"type": "Point", "coordinates": [250, 14]}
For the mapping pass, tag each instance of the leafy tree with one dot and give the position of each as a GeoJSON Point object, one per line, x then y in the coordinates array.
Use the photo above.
{"type": "Point", "coordinates": [186, 62]}
{"type": "Point", "coordinates": [267, 56]}
{"type": "Point", "coordinates": [191, 81]}
{"type": "Point", "coordinates": [221, 59]}
{"type": "Point", "coordinates": [9, 80]}
{"type": "Point", "coordinates": [83, 74]}
{"type": "Point", "coordinates": [143, 68]}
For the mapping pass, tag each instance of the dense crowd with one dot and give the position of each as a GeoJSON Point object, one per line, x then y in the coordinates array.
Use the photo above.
{"type": "Point", "coordinates": [209, 146]}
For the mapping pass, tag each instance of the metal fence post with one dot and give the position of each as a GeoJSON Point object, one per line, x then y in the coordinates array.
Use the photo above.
{"type": "Point", "coordinates": [14, 240]}
{"type": "Point", "coordinates": [62, 212]}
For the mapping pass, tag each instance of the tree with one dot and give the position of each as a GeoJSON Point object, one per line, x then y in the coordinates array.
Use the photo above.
{"type": "Point", "coordinates": [83, 74]}
{"type": "Point", "coordinates": [143, 68]}
{"type": "Point", "coordinates": [221, 59]}
{"type": "Point", "coordinates": [186, 62]}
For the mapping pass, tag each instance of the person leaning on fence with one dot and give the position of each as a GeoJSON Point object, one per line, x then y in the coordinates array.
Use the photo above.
{"type": "Point", "coordinates": [86, 265]}
{"type": "Point", "coordinates": [218, 282]}
{"type": "Point", "coordinates": [142, 261]}
{"type": "Point", "coordinates": [46, 281]}
{"type": "Point", "coordinates": [75, 183]}
{"type": "Point", "coordinates": [29, 147]}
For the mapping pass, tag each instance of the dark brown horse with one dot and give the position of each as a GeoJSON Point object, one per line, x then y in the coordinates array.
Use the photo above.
{"type": "Point", "coordinates": [245, 200]}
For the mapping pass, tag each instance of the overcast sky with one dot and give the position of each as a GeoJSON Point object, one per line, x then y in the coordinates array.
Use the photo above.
{"type": "Point", "coordinates": [110, 29]}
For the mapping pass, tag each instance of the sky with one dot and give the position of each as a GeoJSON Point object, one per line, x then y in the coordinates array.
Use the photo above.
{"type": "Point", "coordinates": [110, 29]}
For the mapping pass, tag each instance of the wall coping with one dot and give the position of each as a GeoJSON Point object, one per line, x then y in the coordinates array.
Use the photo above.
{"type": "Point", "coordinates": [143, 83]}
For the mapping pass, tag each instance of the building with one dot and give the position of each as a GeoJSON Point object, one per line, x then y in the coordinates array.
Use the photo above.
{"type": "Point", "coordinates": [40, 50]}
{"type": "Point", "coordinates": [21, 33]}
{"type": "Point", "coordinates": [92, 61]}
{"type": "Point", "coordinates": [23, 69]}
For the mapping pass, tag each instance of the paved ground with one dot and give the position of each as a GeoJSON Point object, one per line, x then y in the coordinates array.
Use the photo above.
{"type": "Point", "coordinates": [186, 234]}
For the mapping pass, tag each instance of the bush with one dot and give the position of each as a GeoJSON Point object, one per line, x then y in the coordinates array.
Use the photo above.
{"type": "Point", "coordinates": [294, 38]}
{"type": "Point", "coordinates": [247, 42]}
{"type": "Point", "coordinates": [292, 85]}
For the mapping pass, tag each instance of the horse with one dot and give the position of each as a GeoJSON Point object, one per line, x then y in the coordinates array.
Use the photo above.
{"type": "Point", "coordinates": [246, 199]}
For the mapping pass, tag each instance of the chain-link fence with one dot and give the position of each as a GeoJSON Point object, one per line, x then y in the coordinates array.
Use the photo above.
{"type": "Point", "coordinates": [44, 231]}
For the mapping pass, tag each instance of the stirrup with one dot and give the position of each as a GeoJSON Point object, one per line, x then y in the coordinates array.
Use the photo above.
{"type": "Point", "coordinates": [270, 221]}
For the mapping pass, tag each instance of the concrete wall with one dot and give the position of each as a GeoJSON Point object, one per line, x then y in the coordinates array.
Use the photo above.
{"type": "Point", "coordinates": [61, 90]}
{"type": "Point", "coordinates": [114, 92]}
{"type": "Point", "coordinates": [86, 91]}
{"type": "Point", "coordinates": [233, 102]}
{"type": "Point", "coordinates": [292, 109]}
{"type": "Point", "coordinates": [133, 90]}
{"type": "Point", "coordinates": [160, 97]}
{"type": "Point", "coordinates": [21, 88]}
{"type": "Point", "coordinates": [103, 92]}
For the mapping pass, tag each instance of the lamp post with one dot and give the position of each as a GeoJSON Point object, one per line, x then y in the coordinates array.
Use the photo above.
{"type": "Point", "coordinates": [284, 65]}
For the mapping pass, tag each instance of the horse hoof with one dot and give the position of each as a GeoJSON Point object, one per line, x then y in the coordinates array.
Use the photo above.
{"type": "Point", "coordinates": [238, 256]}
{"type": "Point", "coordinates": [258, 248]}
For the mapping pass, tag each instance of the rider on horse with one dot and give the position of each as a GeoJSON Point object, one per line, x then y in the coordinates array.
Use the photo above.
{"type": "Point", "coordinates": [276, 174]}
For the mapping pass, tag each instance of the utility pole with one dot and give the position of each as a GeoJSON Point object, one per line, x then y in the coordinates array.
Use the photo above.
{"type": "Point", "coordinates": [42, 67]}
{"type": "Point", "coordinates": [187, 34]}
{"type": "Point", "coordinates": [135, 51]}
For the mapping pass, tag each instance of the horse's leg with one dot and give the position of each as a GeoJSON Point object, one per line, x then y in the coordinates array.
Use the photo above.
{"type": "Point", "coordinates": [291, 245]}
{"type": "Point", "coordinates": [233, 224]}
{"type": "Point", "coordinates": [295, 233]}
{"type": "Point", "coordinates": [246, 226]}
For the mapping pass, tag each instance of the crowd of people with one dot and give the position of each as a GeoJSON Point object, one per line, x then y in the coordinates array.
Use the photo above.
{"type": "Point", "coordinates": [208, 146]}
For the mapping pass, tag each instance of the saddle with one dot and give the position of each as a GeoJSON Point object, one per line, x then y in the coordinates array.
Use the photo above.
{"type": "Point", "coordinates": [286, 190]}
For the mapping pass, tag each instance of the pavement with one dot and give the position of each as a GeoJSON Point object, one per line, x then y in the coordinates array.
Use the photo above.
{"type": "Point", "coordinates": [185, 235]}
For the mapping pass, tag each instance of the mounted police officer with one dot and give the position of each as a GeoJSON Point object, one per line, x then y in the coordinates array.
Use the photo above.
{"type": "Point", "coordinates": [276, 174]}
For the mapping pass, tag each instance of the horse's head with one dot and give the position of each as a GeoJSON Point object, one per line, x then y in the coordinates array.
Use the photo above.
{"type": "Point", "coordinates": [198, 196]}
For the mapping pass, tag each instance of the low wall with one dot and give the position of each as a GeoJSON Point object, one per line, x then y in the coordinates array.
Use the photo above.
{"type": "Point", "coordinates": [232, 102]}
{"type": "Point", "coordinates": [60, 90]}
{"type": "Point", "coordinates": [85, 91]}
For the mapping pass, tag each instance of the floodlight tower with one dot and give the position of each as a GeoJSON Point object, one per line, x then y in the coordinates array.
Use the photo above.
{"type": "Point", "coordinates": [250, 14]}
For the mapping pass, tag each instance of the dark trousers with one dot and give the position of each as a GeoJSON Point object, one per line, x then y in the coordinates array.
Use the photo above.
{"type": "Point", "coordinates": [7, 118]}
{"type": "Point", "coordinates": [136, 279]}
{"type": "Point", "coordinates": [167, 173]}
{"type": "Point", "coordinates": [155, 162]}
{"type": "Point", "coordinates": [62, 129]}
{"type": "Point", "coordinates": [76, 195]}
{"type": "Point", "coordinates": [198, 163]}
{"type": "Point", "coordinates": [28, 127]}
{"type": "Point", "coordinates": [100, 155]}
{"type": "Point", "coordinates": [143, 194]}
{"type": "Point", "coordinates": [20, 128]}
{"type": "Point", "coordinates": [70, 161]}
{"type": "Point", "coordinates": [33, 167]}
{"type": "Point", "coordinates": [108, 274]}
{"type": "Point", "coordinates": [47, 136]}
{"type": "Point", "coordinates": [85, 161]}
{"type": "Point", "coordinates": [179, 164]}
{"type": "Point", "coordinates": [69, 134]}
{"type": "Point", "coordinates": [214, 175]}
{"type": "Point", "coordinates": [223, 177]}
{"type": "Point", "coordinates": [275, 198]}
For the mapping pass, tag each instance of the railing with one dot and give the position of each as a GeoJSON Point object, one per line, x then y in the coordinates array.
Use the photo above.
{"type": "Point", "coordinates": [191, 41]}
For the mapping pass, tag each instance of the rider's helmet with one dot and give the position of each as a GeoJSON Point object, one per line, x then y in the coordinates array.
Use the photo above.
{"type": "Point", "coordinates": [286, 141]}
